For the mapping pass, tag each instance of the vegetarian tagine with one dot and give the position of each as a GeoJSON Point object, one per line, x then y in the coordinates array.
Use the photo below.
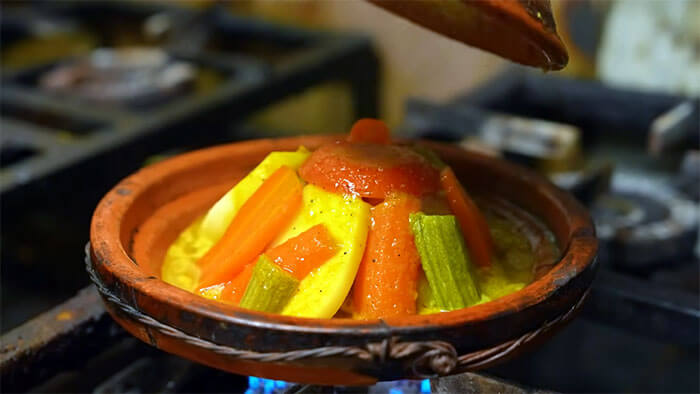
{"type": "Point", "coordinates": [359, 228]}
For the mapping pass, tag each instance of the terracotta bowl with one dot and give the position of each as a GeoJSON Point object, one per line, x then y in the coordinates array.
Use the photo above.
{"type": "Point", "coordinates": [138, 219]}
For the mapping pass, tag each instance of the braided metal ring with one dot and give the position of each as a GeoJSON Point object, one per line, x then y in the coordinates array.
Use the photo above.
{"type": "Point", "coordinates": [430, 358]}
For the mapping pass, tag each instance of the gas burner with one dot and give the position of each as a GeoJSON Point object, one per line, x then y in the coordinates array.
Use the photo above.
{"type": "Point", "coordinates": [587, 183]}
{"type": "Point", "coordinates": [267, 386]}
{"type": "Point", "coordinates": [643, 222]}
{"type": "Point", "coordinates": [133, 76]}
{"type": "Point", "coordinates": [688, 181]}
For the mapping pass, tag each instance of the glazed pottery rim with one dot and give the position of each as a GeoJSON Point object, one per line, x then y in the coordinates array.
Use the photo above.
{"type": "Point", "coordinates": [107, 250]}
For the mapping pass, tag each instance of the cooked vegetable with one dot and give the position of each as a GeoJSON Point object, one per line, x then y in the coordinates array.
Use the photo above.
{"type": "Point", "coordinates": [426, 302]}
{"type": "Point", "coordinates": [298, 256]}
{"type": "Point", "coordinates": [233, 291]}
{"type": "Point", "coordinates": [435, 204]}
{"type": "Point", "coordinates": [390, 222]}
{"type": "Point", "coordinates": [218, 218]}
{"type": "Point", "coordinates": [429, 155]}
{"type": "Point", "coordinates": [370, 170]}
{"type": "Point", "coordinates": [474, 228]}
{"type": "Point", "coordinates": [270, 288]}
{"type": "Point", "coordinates": [388, 275]}
{"type": "Point", "coordinates": [304, 253]}
{"type": "Point", "coordinates": [212, 292]}
{"type": "Point", "coordinates": [258, 222]}
{"type": "Point", "coordinates": [444, 260]}
{"type": "Point", "coordinates": [179, 266]}
{"type": "Point", "coordinates": [347, 219]}
{"type": "Point", "coordinates": [370, 131]}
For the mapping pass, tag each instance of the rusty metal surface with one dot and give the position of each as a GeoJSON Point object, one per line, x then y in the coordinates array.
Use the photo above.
{"type": "Point", "coordinates": [57, 340]}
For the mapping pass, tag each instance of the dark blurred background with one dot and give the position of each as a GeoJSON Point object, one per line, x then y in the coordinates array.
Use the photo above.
{"type": "Point", "coordinates": [92, 91]}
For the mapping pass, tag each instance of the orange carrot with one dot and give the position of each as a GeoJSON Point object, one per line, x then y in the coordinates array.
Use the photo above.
{"type": "Point", "coordinates": [305, 252]}
{"type": "Point", "coordinates": [256, 224]}
{"type": "Point", "coordinates": [435, 204]}
{"type": "Point", "coordinates": [299, 256]}
{"type": "Point", "coordinates": [474, 228]}
{"type": "Point", "coordinates": [369, 130]}
{"type": "Point", "coordinates": [386, 282]}
{"type": "Point", "coordinates": [234, 290]}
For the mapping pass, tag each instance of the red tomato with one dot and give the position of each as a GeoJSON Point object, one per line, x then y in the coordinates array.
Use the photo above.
{"type": "Point", "coordinates": [370, 170]}
{"type": "Point", "coordinates": [370, 131]}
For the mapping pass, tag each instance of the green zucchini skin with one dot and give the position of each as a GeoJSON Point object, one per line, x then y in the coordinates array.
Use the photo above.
{"type": "Point", "coordinates": [445, 260]}
{"type": "Point", "coordinates": [269, 289]}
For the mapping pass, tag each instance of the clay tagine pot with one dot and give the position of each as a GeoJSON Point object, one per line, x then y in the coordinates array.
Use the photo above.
{"type": "Point", "coordinates": [138, 219]}
{"type": "Point", "coordinates": [523, 31]}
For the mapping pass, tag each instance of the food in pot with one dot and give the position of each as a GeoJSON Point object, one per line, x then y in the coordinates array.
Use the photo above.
{"type": "Point", "coordinates": [361, 228]}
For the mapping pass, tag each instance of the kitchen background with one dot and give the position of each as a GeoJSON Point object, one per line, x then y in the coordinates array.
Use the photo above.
{"type": "Point", "coordinates": [92, 91]}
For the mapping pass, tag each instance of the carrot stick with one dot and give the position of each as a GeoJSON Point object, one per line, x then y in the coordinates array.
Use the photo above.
{"type": "Point", "coordinates": [474, 228]}
{"type": "Point", "coordinates": [234, 290]}
{"type": "Point", "coordinates": [386, 282]}
{"type": "Point", "coordinates": [305, 252]}
{"type": "Point", "coordinates": [256, 224]}
{"type": "Point", "coordinates": [369, 130]}
{"type": "Point", "coordinates": [299, 256]}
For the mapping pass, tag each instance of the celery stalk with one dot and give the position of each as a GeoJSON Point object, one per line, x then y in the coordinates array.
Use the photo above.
{"type": "Point", "coordinates": [269, 289]}
{"type": "Point", "coordinates": [445, 260]}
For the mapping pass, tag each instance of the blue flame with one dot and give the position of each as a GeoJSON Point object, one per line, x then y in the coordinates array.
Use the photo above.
{"type": "Point", "coordinates": [253, 382]}
{"type": "Point", "coordinates": [269, 386]}
{"type": "Point", "coordinates": [265, 386]}
{"type": "Point", "coordinates": [258, 385]}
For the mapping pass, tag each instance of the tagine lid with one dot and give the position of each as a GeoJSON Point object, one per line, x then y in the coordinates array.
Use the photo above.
{"type": "Point", "coordinates": [523, 31]}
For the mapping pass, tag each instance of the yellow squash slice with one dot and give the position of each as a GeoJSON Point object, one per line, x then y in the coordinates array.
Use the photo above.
{"type": "Point", "coordinates": [180, 264]}
{"type": "Point", "coordinates": [323, 291]}
{"type": "Point", "coordinates": [222, 212]}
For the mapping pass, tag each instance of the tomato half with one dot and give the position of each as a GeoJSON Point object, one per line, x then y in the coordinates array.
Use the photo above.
{"type": "Point", "coordinates": [370, 170]}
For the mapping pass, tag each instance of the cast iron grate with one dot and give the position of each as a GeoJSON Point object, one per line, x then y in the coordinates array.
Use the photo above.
{"type": "Point", "coordinates": [61, 153]}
